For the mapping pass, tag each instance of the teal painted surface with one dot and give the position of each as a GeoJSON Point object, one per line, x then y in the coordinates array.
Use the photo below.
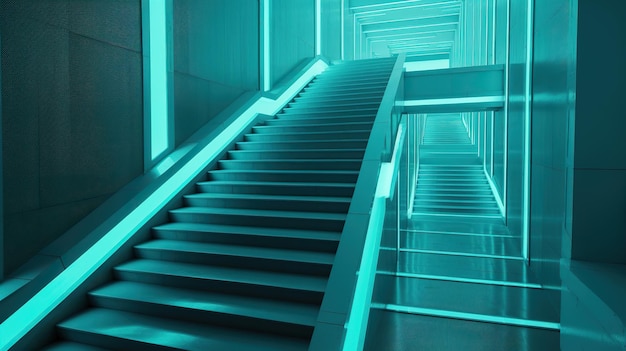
{"type": "Point", "coordinates": [1, 176]}
{"type": "Point", "coordinates": [331, 29]}
{"type": "Point", "coordinates": [216, 59]}
{"type": "Point", "coordinates": [598, 228]}
{"type": "Point", "coordinates": [292, 36]}
{"type": "Point", "coordinates": [72, 114]}
{"type": "Point", "coordinates": [554, 68]}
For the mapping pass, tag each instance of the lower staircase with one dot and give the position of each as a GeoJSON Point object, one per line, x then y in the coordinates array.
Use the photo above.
{"type": "Point", "coordinates": [244, 264]}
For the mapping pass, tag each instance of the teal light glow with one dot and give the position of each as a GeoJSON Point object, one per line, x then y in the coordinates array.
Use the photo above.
{"type": "Point", "coordinates": [462, 280]}
{"type": "Point", "coordinates": [158, 78]}
{"type": "Point", "coordinates": [527, 126]}
{"type": "Point", "coordinates": [343, 24]}
{"type": "Point", "coordinates": [318, 27]}
{"type": "Point", "coordinates": [452, 101]}
{"type": "Point", "coordinates": [266, 45]}
{"type": "Point", "coordinates": [51, 295]}
{"type": "Point", "coordinates": [469, 316]}
{"type": "Point", "coordinates": [506, 102]}
{"type": "Point", "coordinates": [359, 312]}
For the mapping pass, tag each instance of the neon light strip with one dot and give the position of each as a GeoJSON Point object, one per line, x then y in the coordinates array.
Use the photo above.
{"type": "Point", "coordinates": [527, 126]}
{"type": "Point", "coordinates": [51, 295]}
{"type": "Point", "coordinates": [318, 27]}
{"type": "Point", "coordinates": [439, 214]}
{"type": "Point", "coordinates": [266, 45]}
{"type": "Point", "coordinates": [451, 101]}
{"type": "Point", "coordinates": [158, 79]}
{"type": "Point", "coordinates": [465, 254]}
{"type": "Point", "coordinates": [495, 192]}
{"type": "Point", "coordinates": [506, 104]}
{"type": "Point", "coordinates": [462, 280]}
{"type": "Point", "coordinates": [416, 231]}
{"type": "Point", "coordinates": [469, 316]}
{"type": "Point", "coordinates": [343, 24]}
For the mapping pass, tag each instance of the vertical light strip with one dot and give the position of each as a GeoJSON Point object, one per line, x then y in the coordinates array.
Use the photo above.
{"type": "Point", "coordinates": [342, 40]}
{"type": "Point", "coordinates": [158, 78]}
{"type": "Point", "coordinates": [266, 45]}
{"type": "Point", "coordinates": [527, 131]}
{"type": "Point", "coordinates": [506, 102]}
{"type": "Point", "coordinates": [318, 27]}
{"type": "Point", "coordinates": [493, 33]}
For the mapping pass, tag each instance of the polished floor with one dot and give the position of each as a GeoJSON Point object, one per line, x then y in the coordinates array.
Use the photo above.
{"type": "Point", "coordinates": [460, 282]}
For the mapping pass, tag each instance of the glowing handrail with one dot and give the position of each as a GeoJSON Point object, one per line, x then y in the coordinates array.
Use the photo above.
{"type": "Point", "coordinates": [359, 312]}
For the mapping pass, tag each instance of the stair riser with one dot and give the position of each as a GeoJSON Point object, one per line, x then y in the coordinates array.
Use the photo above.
{"type": "Point", "coordinates": [303, 145]}
{"type": "Point", "coordinates": [287, 121]}
{"type": "Point", "coordinates": [278, 189]}
{"type": "Point", "coordinates": [321, 97]}
{"type": "Point", "coordinates": [215, 259]}
{"type": "Point", "coordinates": [228, 287]}
{"type": "Point", "coordinates": [327, 112]}
{"type": "Point", "coordinates": [308, 136]}
{"type": "Point", "coordinates": [249, 240]}
{"type": "Point", "coordinates": [198, 316]}
{"type": "Point", "coordinates": [106, 341]}
{"type": "Point", "coordinates": [349, 165]}
{"type": "Point", "coordinates": [331, 100]}
{"type": "Point", "coordinates": [269, 204]}
{"type": "Point", "coordinates": [295, 155]}
{"type": "Point", "coordinates": [259, 221]}
{"type": "Point", "coordinates": [338, 127]}
{"type": "Point", "coordinates": [297, 106]}
{"type": "Point", "coordinates": [284, 177]}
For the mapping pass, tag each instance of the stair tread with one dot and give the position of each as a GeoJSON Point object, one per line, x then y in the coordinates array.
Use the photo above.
{"type": "Point", "coordinates": [264, 231]}
{"type": "Point", "coordinates": [72, 346]}
{"type": "Point", "coordinates": [238, 250]}
{"type": "Point", "coordinates": [264, 213]}
{"type": "Point", "coordinates": [226, 274]}
{"type": "Point", "coordinates": [268, 197]}
{"type": "Point", "coordinates": [173, 333]}
{"type": "Point", "coordinates": [254, 307]}
{"type": "Point", "coordinates": [235, 182]}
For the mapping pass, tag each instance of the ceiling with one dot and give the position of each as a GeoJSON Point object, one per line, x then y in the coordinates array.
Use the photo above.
{"type": "Point", "coordinates": [423, 29]}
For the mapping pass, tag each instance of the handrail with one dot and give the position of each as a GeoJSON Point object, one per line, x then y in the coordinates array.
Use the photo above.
{"type": "Point", "coordinates": [330, 332]}
{"type": "Point", "coordinates": [359, 312]}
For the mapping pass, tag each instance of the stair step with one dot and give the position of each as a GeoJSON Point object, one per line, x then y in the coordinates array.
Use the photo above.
{"type": "Point", "coordinates": [303, 106]}
{"type": "Point", "coordinates": [310, 127]}
{"type": "Point", "coordinates": [72, 346]}
{"type": "Point", "coordinates": [262, 315]}
{"type": "Point", "coordinates": [296, 154]}
{"type": "Point", "coordinates": [262, 237]}
{"type": "Point", "coordinates": [238, 256]}
{"type": "Point", "coordinates": [337, 111]}
{"type": "Point", "coordinates": [353, 134]}
{"type": "Point", "coordinates": [260, 218]}
{"type": "Point", "coordinates": [132, 331]}
{"type": "Point", "coordinates": [278, 188]}
{"type": "Point", "coordinates": [336, 144]}
{"type": "Point", "coordinates": [270, 202]}
{"type": "Point", "coordinates": [285, 176]}
{"type": "Point", "coordinates": [281, 164]}
{"type": "Point", "coordinates": [248, 282]}
{"type": "Point", "coordinates": [289, 120]}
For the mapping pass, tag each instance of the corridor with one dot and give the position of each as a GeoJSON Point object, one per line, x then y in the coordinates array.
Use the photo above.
{"type": "Point", "coordinates": [461, 280]}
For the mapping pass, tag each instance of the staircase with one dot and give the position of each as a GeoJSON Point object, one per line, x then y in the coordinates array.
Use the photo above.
{"type": "Point", "coordinates": [451, 183]}
{"type": "Point", "coordinates": [244, 264]}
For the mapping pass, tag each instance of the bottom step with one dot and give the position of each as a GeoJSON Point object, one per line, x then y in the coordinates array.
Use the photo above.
{"type": "Point", "coordinates": [129, 331]}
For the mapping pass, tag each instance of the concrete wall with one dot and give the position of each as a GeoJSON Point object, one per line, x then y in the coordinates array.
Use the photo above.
{"type": "Point", "coordinates": [72, 114]}
{"type": "Point", "coordinates": [292, 36]}
{"type": "Point", "coordinates": [216, 58]}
